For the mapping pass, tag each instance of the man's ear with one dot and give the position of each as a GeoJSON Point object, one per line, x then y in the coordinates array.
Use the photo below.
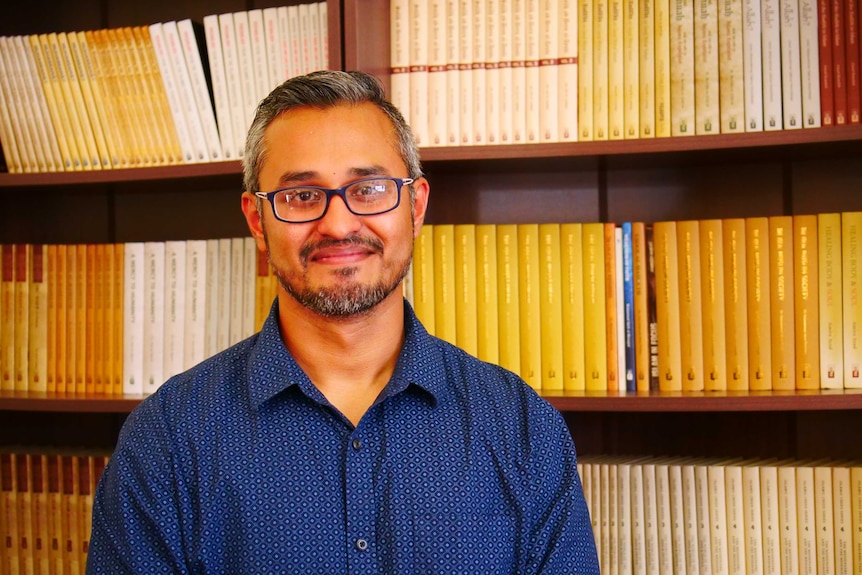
{"type": "Point", "coordinates": [421, 190]}
{"type": "Point", "coordinates": [254, 218]}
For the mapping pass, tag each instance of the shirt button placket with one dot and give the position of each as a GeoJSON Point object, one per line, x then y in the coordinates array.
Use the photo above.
{"type": "Point", "coordinates": [360, 505]}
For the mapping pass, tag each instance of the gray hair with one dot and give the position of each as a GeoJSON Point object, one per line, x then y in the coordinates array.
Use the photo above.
{"type": "Point", "coordinates": [324, 89]}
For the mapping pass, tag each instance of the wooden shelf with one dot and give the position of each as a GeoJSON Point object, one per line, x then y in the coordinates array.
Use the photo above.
{"type": "Point", "coordinates": [84, 403]}
{"type": "Point", "coordinates": [823, 139]}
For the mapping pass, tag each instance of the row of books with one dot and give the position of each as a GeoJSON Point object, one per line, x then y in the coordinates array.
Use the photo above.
{"type": "Point", "coordinates": [168, 93]}
{"type": "Point", "coordinates": [760, 303]}
{"type": "Point", "coordinates": [477, 72]}
{"type": "Point", "coordinates": [724, 516]}
{"type": "Point", "coordinates": [46, 507]}
{"type": "Point", "coordinates": [122, 318]}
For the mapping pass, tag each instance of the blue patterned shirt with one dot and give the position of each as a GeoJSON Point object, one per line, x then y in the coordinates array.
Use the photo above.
{"type": "Point", "coordinates": [240, 465]}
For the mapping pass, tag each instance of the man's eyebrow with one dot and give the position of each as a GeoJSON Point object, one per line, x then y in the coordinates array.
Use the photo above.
{"type": "Point", "coordinates": [288, 179]}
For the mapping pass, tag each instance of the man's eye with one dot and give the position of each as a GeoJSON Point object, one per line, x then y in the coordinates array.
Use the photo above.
{"type": "Point", "coordinates": [305, 196]}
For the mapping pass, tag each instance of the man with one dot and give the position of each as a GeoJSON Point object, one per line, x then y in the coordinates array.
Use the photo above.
{"type": "Point", "coordinates": [342, 438]}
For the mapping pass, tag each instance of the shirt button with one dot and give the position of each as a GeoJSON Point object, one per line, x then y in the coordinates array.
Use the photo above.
{"type": "Point", "coordinates": [361, 544]}
{"type": "Point", "coordinates": [357, 444]}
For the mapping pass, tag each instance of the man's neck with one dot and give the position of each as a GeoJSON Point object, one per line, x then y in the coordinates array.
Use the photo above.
{"type": "Point", "coordinates": [349, 360]}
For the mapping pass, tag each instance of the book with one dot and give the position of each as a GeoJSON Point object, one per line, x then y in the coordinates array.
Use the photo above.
{"type": "Point", "coordinates": [225, 294]}
{"type": "Point", "coordinates": [628, 315]}
{"type": "Point", "coordinates": [851, 235]}
{"type": "Point", "coordinates": [770, 40]}
{"type": "Point", "coordinates": [807, 523]}
{"type": "Point", "coordinates": [806, 301]}
{"type": "Point", "coordinates": [549, 70]}
{"type": "Point", "coordinates": [585, 70]}
{"type": "Point", "coordinates": [787, 517]}
{"type": "Point", "coordinates": [600, 69]}
{"type": "Point", "coordinates": [399, 55]}
{"type": "Point", "coordinates": [651, 517]}
{"type": "Point", "coordinates": [173, 91]}
{"type": "Point", "coordinates": [465, 71]}
{"type": "Point", "coordinates": [466, 288]}
{"type": "Point", "coordinates": [423, 277]}
{"type": "Point", "coordinates": [530, 304]}
{"type": "Point", "coordinates": [662, 60]}
{"type": "Point", "coordinates": [738, 519]}
{"type": "Point", "coordinates": [235, 106]}
{"type": "Point", "coordinates": [479, 76]}
{"type": "Point", "coordinates": [631, 68]}
{"type": "Point", "coordinates": [759, 308]}
{"type": "Point", "coordinates": [445, 314]}
{"type": "Point", "coordinates": [707, 73]}
{"type": "Point", "coordinates": [435, 101]}
{"type": "Point", "coordinates": [851, 66]}
{"type": "Point", "coordinates": [830, 290]}
{"type": "Point", "coordinates": [153, 292]}
{"type": "Point", "coordinates": [192, 41]}
{"type": "Point", "coordinates": [690, 305]}
{"type": "Point", "coordinates": [790, 49]}
{"type": "Point", "coordinates": [616, 74]}
{"type": "Point", "coordinates": [824, 517]}
{"type": "Point", "coordinates": [667, 306]}
{"type": "Point", "coordinates": [21, 343]}
{"type": "Point", "coordinates": [752, 57]}
{"type": "Point", "coordinates": [196, 296]}
{"type": "Point", "coordinates": [809, 69]}
{"type": "Point", "coordinates": [839, 60]}
{"type": "Point", "coordinates": [842, 517]}
{"type": "Point", "coordinates": [551, 307]}
{"type": "Point", "coordinates": [781, 303]}
{"type": "Point", "coordinates": [595, 306]}
{"type": "Point", "coordinates": [712, 282]}
{"type": "Point", "coordinates": [486, 293]}
{"type": "Point", "coordinates": [572, 293]}
{"type": "Point", "coordinates": [89, 98]}
{"type": "Point", "coordinates": [731, 67]}
{"type": "Point", "coordinates": [702, 496]}
{"type": "Point", "coordinates": [133, 318]}
{"type": "Point", "coordinates": [82, 279]}
{"type": "Point", "coordinates": [519, 71]}
{"type": "Point", "coordinates": [175, 303]}
{"type": "Point", "coordinates": [824, 54]}
{"type": "Point", "coordinates": [612, 296]}
{"type": "Point", "coordinates": [641, 308]}
{"type": "Point", "coordinates": [646, 68]}
{"type": "Point", "coordinates": [453, 74]}
{"type": "Point", "coordinates": [682, 79]}
{"type": "Point", "coordinates": [568, 70]}
{"type": "Point", "coordinates": [856, 511]}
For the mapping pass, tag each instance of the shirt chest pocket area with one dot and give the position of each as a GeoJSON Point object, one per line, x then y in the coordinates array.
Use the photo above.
{"type": "Point", "coordinates": [454, 544]}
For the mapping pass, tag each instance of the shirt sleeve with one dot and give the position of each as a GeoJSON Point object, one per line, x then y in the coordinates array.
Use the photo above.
{"type": "Point", "coordinates": [562, 540]}
{"type": "Point", "coordinates": [136, 513]}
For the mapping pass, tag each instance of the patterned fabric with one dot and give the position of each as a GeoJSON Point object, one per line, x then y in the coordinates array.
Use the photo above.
{"type": "Point", "coordinates": [240, 465]}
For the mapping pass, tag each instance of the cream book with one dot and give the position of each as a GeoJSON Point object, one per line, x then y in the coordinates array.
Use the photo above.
{"type": "Point", "coordinates": [175, 306]}
{"type": "Point", "coordinates": [504, 72]}
{"type": "Point", "coordinates": [172, 90]}
{"type": "Point", "coordinates": [133, 317]}
{"type": "Point", "coordinates": [646, 68]}
{"type": "Point", "coordinates": [707, 74]}
{"type": "Point", "coordinates": [616, 73]}
{"type": "Point", "coordinates": [824, 517]}
{"type": "Point", "coordinates": [809, 63]}
{"type": "Point", "coordinates": [532, 39]}
{"type": "Point", "coordinates": [218, 78]}
{"type": "Point", "coordinates": [851, 236]}
{"type": "Point", "coordinates": [399, 55]}
{"type": "Point", "coordinates": [830, 288]}
{"type": "Point", "coordinates": [842, 517]}
{"type": "Point", "coordinates": [806, 303]}
{"type": "Point", "coordinates": [572, 294]}
{"type": "Point", "coordinates": [807, 522]}
{"type": "Point", "coordinates": [465, 72]}
{"type": "Point", "coordinates": [549, 70]}
{"type": "Point", "coordinates": [731, 67]}
{"type": "Point", "coordinates": [682, 80]}
{"type": "Point", "coordinates": [737, 520]}
{"type": "Point", "coordinates": [233, 82]}
{"type": "Point", "coordinates": [435, 101]}
{"type": "Point", "coordinates": [478, 99]}
{"type": "Point", "coordinates": [791, 66]}
{"type": "Point", "coordinates": [759, 308]}
{"type": "Point", "coordinates": [600, 69]}
{"type": "Point", "coordinates": [154, 315]}
{"type": "Point", "coordinates": [519, 71]}
{"type": "Point", "coordinates": [194, 321]}
{"type": "Point", "coordinates": [787, 518]}
{"type": "Point", "coordinates": [770, 38]}
{"type": "Point", "coordinates": [492, 72]}
{"type": "Point", "coordinates": [245, 62]}
{"type": "Point", "coordinates": [225, 294]}
{"type": "Point", "coordinates": [662, 60]}
{"type": "Point", "coordinates": [191, 40]}
{"type": "Point", "coordinates": [569, 69]}
{"type": "Point", "coordinates": [752, 65]}
{"type": "Point", "coordinates": [453, 74]}
{"type": "Point", "coordinates": [586, 68]}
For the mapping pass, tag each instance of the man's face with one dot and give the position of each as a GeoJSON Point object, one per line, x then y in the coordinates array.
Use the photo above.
{"type": "Point", "coordinates": [341, 264]}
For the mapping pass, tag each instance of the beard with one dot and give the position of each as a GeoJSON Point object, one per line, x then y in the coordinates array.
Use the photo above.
{"type": "Point", "coordinates": [349, 298]}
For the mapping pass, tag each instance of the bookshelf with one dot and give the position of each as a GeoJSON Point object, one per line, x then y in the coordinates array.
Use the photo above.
{"type": "Point", "coordinates": [719, 176]}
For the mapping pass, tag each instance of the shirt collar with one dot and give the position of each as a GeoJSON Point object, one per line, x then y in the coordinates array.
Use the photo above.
{"type": "Point", "coordinates": [272, 369]}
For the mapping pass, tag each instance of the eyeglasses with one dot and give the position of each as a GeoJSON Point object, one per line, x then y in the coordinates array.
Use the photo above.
{"type": "Point", "coordinates": [366, 197]}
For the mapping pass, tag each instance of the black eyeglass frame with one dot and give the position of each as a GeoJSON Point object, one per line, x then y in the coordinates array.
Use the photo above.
{"type": "Point", "coordinates": [340, 192]}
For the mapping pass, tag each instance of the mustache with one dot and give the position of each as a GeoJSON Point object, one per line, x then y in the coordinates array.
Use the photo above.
{"type": "Point", "coordinates": [373, 244]}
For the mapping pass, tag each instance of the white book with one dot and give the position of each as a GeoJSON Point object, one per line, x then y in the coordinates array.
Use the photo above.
{"type": "Point", "coordinates": [323, 19]}
{"type": "Point", "coordinates": [453, 73]}
{"type": "Point", "coordinates": [191, 43]}
{"type": "Point", "coordinates": [259, 55]}
{"type": "Point", "coordinates": [154, 315]}
{"type": "Point", "coordinates": [718, 539]}
{"type": "Point", "coordinates": [664, 526]}
{"type": "Point", "coordinates": [809, 63]}
{"type": "Point", "coordinates": [631, 67]}
{"type": "Point", "coordinates": [616, 73]}
{"type": "Point", "coordinates": [133, 318]}
{"type": "Point", "coordinates": [731, 66]}
{"type": "Point", "coordinates": [752, 65]}
{"type": "Point", "coordinates": [41, 116]}
{"type": "Point", "coordinates": [549, 71]}
{"type": "Point", "coordinates": [519, 72]}
{"type": "Point", "coordinates": [824, 518]}
{"type": "Point", "coordinates": [175, 304]}
{"type": "Point", "coordinates": [219, 86]}
{"type": "Point", "coordinates": [22, 113]}
{"type": "Point", "coordinates": [624, 517]}
{"type": "Point", "coordinates": [225, 295]}
{"type": "Point", "coordinates": [613, 515]}
{"type": "Point", "coordinates": [735, 505]}
{"type": "Point", "coordinates": [213, 286]}
{"type": "Point", "coordinates": [480, 45]}
{"type": "Point", "coordinates": [295, 35]}
{"type": "Point", "coordinates": [234, 82]}
{"type": "Point", "coordinates": [753, 510]}
{"type": "Point", "coordinates": [465, 72]}
{"type": "Point", "coordinates": [842, 516]}
{"type": "Point", "coordinates": [706, 68]}
{"type": "Point", "coordinates": [682, 78]}
{"type": "Point", "coordinates": [791, 65]}
{"type": "Point", "coordinates": [399, 55]}
{"type": "Point", "coordinates": [806, 519]}
{"type": "Point", "coordinates": [770, 45]}
{"type": "Point", "coordinates": [678, 521]}
{"type": "Point", "coordinates": [770, 505]}
{"type": "Point", "coordinates": [532, 101]}
{"type": "Point", "coordinates": [172, 91]}
{"type": "Point", "coordinates": [9, 126]}
{"type": "Point", "coordinates": [419, 41]}
{"type": "Point", "coordinates": [504, 71]}
{"type": "Point", "coordinates": [183, 82]}
{"type": "Point", "coordinates": [568, 73]}
{"type": "Point", "coordinates": [856, 510]}
{"type": "Point", "coordinates": [492, 72]}
{"type": "Point", "coordinates": [702, 495]}
{"type": "Point", "coordinates": [604, 485]}
{"type": "Point", "coordinates": [690, 515]}
{"type": "Point", "coordinates": [194, 346]}
{"type": "Point", "coordinates": [237, 279]}
{"type": "Point", "coordinates": [310, 43]}
{"type": "Point", "coordinates": [245, 63]}
{"type": "Point", "coordinates": [435, 103]}
{"type": "Point", "coordinates": [651, 519]}
{"type": "Point", "coordinates": [285, 71]}
{"type": "Point", "coordinates": [637, 519]}
{"type": "Point", "coordinates": [788, 532]}
{"type": "Point", "coordinates": [272, 38]}
{"type": "Point", "coordinates": [248, 290]}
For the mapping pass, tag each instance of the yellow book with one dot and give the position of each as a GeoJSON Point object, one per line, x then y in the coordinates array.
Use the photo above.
{"type": "Point", "coordinates": [82, 359]}
{"type": "Point", "coordinates": [423, 277]}
{"type": "Point", "coordinates": [146, 100]}
{"type": "Point", "coordinates": [25, 511]}
{"type": "Point", "coordinates": [62, 346]}
{"type": "Point", "coordinates": [831, 301]}
{"type": "Point", "coordinates": [445, 313]}
{"type": "Point", "coordinates": [119, 286]}
{"type": "Point", "coordinates": [572, 270]}
{"type": "Point", "coordinates": [90, 107]}
{"type": "Point", "coordinates": [595, 306]}
{"type": "Point", "coordinates": [110, 50]}
{"type": "Point", "coordinates": [667, 306]}
{"type": "Point", "coordinates": [97, 325]}
{"type": "Point", "coordinates": [90, 369]}
{"type": "Point", "coordinates": [122, 50]}
{"type": "Point", "coordinates": [261, 289]}
{"type": "Point", "coordinates": [585, 70]}
{"type": "Point", "coordinates": [109, 332]}
{"type": "Point", "coordinates": [38, 319]}
{"type": "Point", "coordinates": [80, 122]}
{"type": "Point", "coordinates": [57, 104]}
{"type": "Point", "coordinates": [23, 255]}
{"type": "Point", "coordinates": [97, 102]}
{"type": "Point", "coordinates": [631, 69]}
{"type": "Point", "coordinates": [646, 68]}
{"type": "Point", "coordinates": [758, 293]}
{"type": "Point", "coordinates": [706, 72]}
{"type": "Point", "coordinates": [690, 305]}
{"type": "Point", "coordinates": [641, 306]}
{"type": "Point", "coordinates": [106, 82]}
{"type": "Point", "coordinates": [611, 311]}
{"type": "Point", "coordinates": [10, 550]}
{"type": "Point", "coordinates": [851, 256]}
{"type": "Point", "coordinates": [51, 347]}
{"type": "Point", "coordinates": [486, 293]}
{"type": "Point", "coordinates": [616, 73]}
{"type": "Point", "coordinates": [682, 104]}
{"type": "Point", "coordinates": [856, 514]}
{"type": "Point", "coordinates": [466, 320]}
{"type": "Point", "coordinates": [601, 69]}
{"type": "Point", "coordinates": [508, 297]}
{"type": "Point", "coordinates": [730, 67]}
{"type": "Point", "coordinates": [806, 304]}
{"type": "Point", "coordinates": [662, 59]}
{"type": "Point", "coordinates": [529, 304]}
{"type": "Point", "coordinates": [551, 305]}
{"type": "Point", "coordinates": [712, 289]}
{"type": "Point", "coordinates": [781, 297]}
{"type": "Point", "coordinates": [7, 317]}
{"type": "Point", "coordinates": [41, 519]}
{"type": "Point", "coordinates": [736, 303]}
